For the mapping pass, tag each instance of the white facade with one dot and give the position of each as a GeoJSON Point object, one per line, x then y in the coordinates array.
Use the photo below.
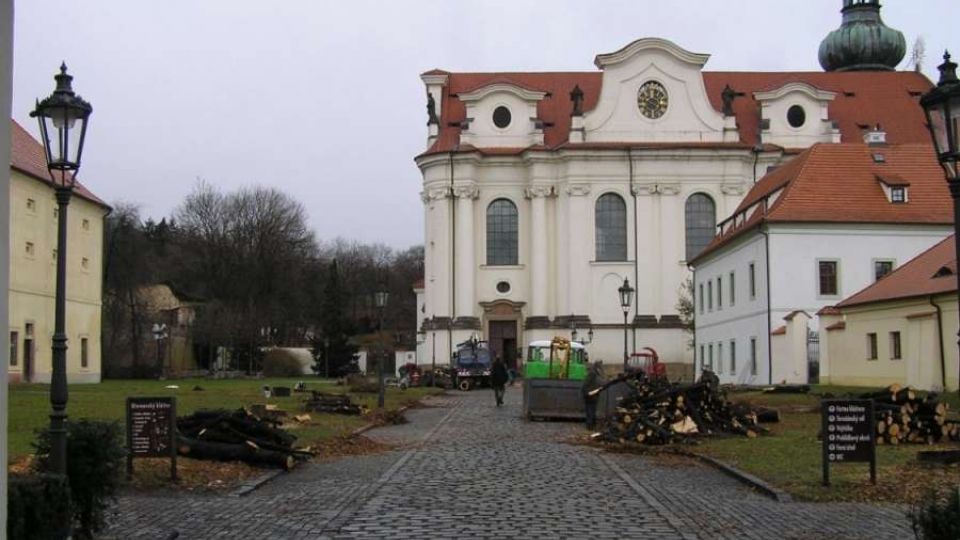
{"type": "Point", "coordinates": [794, 253]}
{"type": "Point", "coordinates": [6, 85]}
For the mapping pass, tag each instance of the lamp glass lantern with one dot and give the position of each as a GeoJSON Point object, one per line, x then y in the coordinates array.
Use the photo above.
{"type": "Point", "coordinates": [63, 119]}
{"type": "Point", "coordinates": [626, 295]}
{"type": "Point", "coordinates": [942, 107]}
{"type": "Point", "coordinates": [380, 298]}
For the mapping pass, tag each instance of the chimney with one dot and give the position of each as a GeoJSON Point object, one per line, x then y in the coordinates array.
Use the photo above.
{"type": "Point", "coordinates": [875, 137]}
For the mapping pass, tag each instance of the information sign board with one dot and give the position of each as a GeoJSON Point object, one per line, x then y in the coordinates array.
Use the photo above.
{"type": "Point", "coordinates": [848, 434]}
{"type": "Point", "coordinates": [152, 430]}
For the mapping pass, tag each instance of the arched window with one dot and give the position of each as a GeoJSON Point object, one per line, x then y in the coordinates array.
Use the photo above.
{"type": "Point", "coordinates": [502, 232]}
{"type": "Point", "coordinates": [611, 226]}
{"type": "Point", "coordinates": [701, 222]}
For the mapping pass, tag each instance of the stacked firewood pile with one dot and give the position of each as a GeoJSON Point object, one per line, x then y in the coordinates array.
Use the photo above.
{"type": "Point", "coordinates": [237, 436]}
{"type": "Point", "coordinates": [904, 417]}
{"type": "Point", "coordinates": [659, 412]}
{"type": "Point", "coordinates": [332, 403]}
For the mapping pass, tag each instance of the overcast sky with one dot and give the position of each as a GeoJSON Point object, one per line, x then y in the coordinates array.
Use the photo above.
{"type": "Point", "coordinates": [323, 99]}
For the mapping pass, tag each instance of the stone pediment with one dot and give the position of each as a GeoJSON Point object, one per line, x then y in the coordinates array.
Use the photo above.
{"type": "Point", "coordinates": [654, 63]}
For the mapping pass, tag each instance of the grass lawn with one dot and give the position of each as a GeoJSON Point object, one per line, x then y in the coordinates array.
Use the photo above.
{"type": "Point", "coordinates": [790, 458]}
{"type": "Point", "coordinates": [29, 404]}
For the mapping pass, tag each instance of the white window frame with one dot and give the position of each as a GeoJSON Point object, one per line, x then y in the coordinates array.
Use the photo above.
{"type": "Point", "coordinates": [873, 266]}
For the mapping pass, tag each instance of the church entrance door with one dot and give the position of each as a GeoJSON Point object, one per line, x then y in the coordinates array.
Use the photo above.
{"type": "Point", "coordinates": [503, 341]}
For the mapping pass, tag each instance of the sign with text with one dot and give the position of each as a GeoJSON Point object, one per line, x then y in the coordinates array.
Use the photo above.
{"type": "Point", "coordinates": [848, 434]}
{"type": "Point", "coordinates": [152, 430]}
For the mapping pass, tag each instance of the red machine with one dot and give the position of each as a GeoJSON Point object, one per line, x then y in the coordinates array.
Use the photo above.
{"type": "Point", "coordinates": [647, 361]}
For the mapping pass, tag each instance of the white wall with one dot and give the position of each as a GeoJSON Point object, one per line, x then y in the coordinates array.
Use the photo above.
{"type": "Point", "coordinates": [795, 250]}
{"type": "Point", "coordinates": [740, 321]}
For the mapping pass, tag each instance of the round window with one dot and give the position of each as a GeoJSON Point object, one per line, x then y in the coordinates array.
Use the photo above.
{"type": "Point", "coordinates": [501, 117]}
{"type": "Point", "coordinates": [796, 116]}
{"type": "Point", "coordinates": [503, 287]}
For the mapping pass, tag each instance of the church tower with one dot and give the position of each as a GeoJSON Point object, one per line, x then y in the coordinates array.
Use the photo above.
{"type": "Point", "coordinates": [863, 42]}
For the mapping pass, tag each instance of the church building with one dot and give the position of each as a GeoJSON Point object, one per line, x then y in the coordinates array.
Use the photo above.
{"type": "Point", "coordinates": [544, 192]}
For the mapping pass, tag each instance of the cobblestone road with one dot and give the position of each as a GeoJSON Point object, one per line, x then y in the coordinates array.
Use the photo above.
{"type": "Point", "coordinates": [466, 469]}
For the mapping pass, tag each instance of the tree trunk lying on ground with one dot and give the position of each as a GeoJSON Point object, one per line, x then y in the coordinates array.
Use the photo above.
{"type": "Point", "coordinates": [247, 452]}
{"type": "Point", "coordinates": [237, 435]}
{"type": "Point", "coordinates": [332, 403]}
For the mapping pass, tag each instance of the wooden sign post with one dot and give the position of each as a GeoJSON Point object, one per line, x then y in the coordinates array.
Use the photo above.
{"type": "Point", "coordinates": [152, 430]}
{"type": "Point", "coordinates": [849, 434]}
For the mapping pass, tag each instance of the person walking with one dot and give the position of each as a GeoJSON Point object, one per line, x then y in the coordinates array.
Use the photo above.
{"type": "Point", "coordinates": [591, 382]}
{"type": "Point", "coordinates": [498, 378]}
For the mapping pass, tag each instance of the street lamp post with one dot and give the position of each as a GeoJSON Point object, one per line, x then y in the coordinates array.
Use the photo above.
{"type": "Point", "coordinates": [159, 335]}
{"type": "Point", "coordinates": [59, 115]}
{"type": "Point", "coordinates": [626, 298]}
{"type": "Point", "coordinates": [380, 298]}
{"type": "Point", "coordinates": [942, 107]}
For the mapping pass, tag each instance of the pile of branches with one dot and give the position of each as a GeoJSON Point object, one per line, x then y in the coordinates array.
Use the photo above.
{"type": "Point", "coordinates": [904, 417]}
{"type": "Point", "coordinates": [332, 403]}
{"type": "Point", "coordinates": [658, 412]}
{"type": "Point", "coordinates": [237, 436]}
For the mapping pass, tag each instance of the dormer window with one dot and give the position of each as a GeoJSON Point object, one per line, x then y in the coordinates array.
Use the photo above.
{"type": "Point", "coordinates": [895, 188]}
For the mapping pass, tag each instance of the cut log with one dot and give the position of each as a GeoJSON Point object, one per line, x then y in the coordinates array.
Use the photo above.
{"type": "Point", "coordinates": [233, 452]}
{"type": "Point", "coordinates": [767, 416]}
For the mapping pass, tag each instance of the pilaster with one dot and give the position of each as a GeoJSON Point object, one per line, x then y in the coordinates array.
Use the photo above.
{"type": "Point", "coordinates": [539, 249]}
{"type": "Point", "coordinates": [465, 195]}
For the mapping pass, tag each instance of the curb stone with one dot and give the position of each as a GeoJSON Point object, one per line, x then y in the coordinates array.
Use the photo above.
{"type": "Point", "coordinates": [249, 487]}
{"type": "Point", "coordinates": [774, 493]}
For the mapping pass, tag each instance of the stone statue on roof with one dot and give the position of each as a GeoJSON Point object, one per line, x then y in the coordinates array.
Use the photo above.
{"type": "Point", "coordinates": [431, 110]}
{"type": "Point", "coordinates": [576, 96]}
{"type": "Point", "coordinates": [728, 95]}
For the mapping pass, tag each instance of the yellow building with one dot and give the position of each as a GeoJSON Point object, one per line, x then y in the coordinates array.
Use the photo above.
{"type": "Point", "coordinates": [33, 251]}
{"type": "Point", "coordinates": [902, 329]}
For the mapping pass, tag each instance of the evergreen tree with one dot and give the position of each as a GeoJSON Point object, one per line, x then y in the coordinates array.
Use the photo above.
{"type": "Point", "coordinates": [333, 354]}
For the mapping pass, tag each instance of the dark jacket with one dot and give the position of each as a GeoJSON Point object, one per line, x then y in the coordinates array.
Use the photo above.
{"type": "Point", "coordinates": [498, 374]}
{"type": "Point", "coordinates": [592, 381]}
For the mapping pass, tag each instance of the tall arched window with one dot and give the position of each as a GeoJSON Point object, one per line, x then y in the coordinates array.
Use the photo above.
{"type": "Point", "coordinates": [701, 222]}
{"type": "Point", "coordinates": [502, 232]}
{"type": "Point", "coordinates": [611, 227]}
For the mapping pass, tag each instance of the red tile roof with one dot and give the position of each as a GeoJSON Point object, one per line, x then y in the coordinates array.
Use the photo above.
{"type": "Point", "coordinates": [779, 331]}
{"type": "Point", "coordinates": [931, 272]}
{"type": "Point", "coordinates": [863, 98]}
{"type": "Point", "coordinates": [829, 310]}
{"type": "Point", "coordinates": [418, 284]}
{"type": "Point", "coordinates": [838, 183]}
{"type": "Point", "coordinates": [839, 325]}
{"type": "Point", "coordinates": [26, 156]}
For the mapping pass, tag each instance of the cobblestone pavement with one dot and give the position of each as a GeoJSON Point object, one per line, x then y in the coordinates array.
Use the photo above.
{"type": "Point", "coordinates": [466, 469]}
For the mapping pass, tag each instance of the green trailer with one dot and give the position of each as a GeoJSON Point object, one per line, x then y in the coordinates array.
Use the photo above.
{"type": "Point", "coordinates": [553, 375]}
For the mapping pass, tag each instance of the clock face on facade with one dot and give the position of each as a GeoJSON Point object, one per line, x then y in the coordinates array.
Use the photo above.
{"type": "Point", "coordinates": [652, 100]}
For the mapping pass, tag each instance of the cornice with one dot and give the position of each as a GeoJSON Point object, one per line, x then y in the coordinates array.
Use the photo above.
{"type": "Point", "coordinates": [645, 44]}
{"type": "Point", "coordinates": [791, 87]}
{"type": "Point", "coordinates": [484, 91]}
{"type": "Point", "coordinates": [577, 190]}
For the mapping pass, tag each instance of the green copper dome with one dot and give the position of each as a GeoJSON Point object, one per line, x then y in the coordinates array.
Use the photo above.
{"type": "Point", "coordinates": [863, 42]}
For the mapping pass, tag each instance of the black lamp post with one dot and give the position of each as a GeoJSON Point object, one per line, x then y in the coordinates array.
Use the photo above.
{"type": "Point", "coordinates": [63, 116]}
{"type": "Point", "coordinates": [626, 298]}
{"type": "Point", "coordinates": [380, 298]}
{"type": "Point", "coordinates": [942, 106]}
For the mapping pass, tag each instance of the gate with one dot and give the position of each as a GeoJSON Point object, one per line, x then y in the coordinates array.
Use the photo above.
{"type": "Point", "coordinates": [813, 357]}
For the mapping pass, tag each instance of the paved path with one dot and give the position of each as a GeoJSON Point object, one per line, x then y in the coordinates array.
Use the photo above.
{"type": "Point", "coordinates": [465, 469]}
